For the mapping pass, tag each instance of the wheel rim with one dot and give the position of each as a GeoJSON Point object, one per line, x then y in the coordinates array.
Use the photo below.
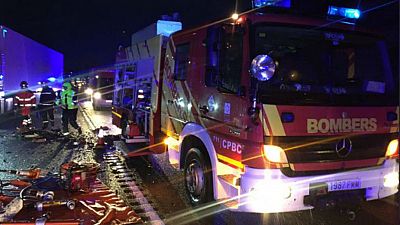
{"type": "Point", "coordinates": [195, 180]}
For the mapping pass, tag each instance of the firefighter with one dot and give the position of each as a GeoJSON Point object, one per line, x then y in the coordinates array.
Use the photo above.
{"type": "Point", "coordinates": [46, 105]}
{"type": "Point", "coordinates": [24, 101]}
{"type": "Point", "coordinates": [69, 105]}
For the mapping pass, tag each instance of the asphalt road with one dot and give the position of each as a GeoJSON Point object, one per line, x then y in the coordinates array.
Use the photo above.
{"type": "Point", "coordinates": [19, 153]}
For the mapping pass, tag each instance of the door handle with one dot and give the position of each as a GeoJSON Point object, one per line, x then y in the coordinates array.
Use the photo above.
{"type": "Point", "coordinates": [204, 109]}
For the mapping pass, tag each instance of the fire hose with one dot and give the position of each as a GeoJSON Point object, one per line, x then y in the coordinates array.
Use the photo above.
{"type": "Point", "coordinates": [31, 173]}
{"type": "Point", "coordinates": [70, 204]}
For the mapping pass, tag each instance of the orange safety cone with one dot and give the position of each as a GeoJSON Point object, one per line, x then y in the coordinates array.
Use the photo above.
{"type": "Point", "coordinates": [100, 139]}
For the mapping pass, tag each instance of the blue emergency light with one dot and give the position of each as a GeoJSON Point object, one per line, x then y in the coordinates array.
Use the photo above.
{"type": "Point", "coordinates": [287, 117]}
{"type": "Point", "coordinates": [4, 32]}
{"type": "Point", "coordinates": [276, 3]}
{"type": "Point", "coordinates": [348, 13]}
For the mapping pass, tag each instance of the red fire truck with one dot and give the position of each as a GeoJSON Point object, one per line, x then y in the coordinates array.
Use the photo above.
{"type": "Point", "coordinates": [265, 112]}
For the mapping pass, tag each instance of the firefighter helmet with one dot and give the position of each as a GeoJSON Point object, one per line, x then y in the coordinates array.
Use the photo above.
{"type": "Point", "coordinates": [23, 84]}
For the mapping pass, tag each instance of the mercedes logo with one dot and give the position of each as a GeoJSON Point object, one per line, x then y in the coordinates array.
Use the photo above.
{"type": "Point", "coordinates": [344, 147]}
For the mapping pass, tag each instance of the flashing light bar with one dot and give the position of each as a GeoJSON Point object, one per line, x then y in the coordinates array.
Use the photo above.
{"type": "Point", "coordinates": [348, 13]}
{"type": "Point", "coordinates": [52, 79]}
{"type": "Point", "coordinates": [277, 3]}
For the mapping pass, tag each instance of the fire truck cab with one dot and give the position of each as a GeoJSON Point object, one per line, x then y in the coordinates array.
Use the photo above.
{"type": "Point", "coordinates": [266, 112]}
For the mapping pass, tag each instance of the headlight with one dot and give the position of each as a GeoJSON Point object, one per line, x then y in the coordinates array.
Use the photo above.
{"type": "Point", "coordinates": [97, 95]}
{"type": "Point", "coordinates": [171, 141]}
{"type": "Point", "coordinates": [89, 91]}
{"type": "Point", "coordinates": [262, 67]}
{"type": "Point", "coordinates": [275, 154]}
{"type": "Point", "coordinates": [392, 149]}
{"type": "Point", "coordinates": [391, 179]}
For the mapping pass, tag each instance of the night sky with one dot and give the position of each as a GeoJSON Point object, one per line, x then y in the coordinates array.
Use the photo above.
{"type": "Point", "coordinates": [88, 32]}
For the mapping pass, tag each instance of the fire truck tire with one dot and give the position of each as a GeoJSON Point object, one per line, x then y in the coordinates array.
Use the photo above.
{"type": "Point", "coordinates": [198, 177]}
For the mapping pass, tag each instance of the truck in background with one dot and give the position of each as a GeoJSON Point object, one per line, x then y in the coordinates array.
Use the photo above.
{"type": "Point", "coordinates": [265, 112]}
{"type": "Point", "coordinates": [100, 88]}
{"type": "Point", "coordinates": [22, 58]}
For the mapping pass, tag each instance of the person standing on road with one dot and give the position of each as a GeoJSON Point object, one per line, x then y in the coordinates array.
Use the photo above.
{"type": "Point", "coordinates": [24, 101]}
{"type": "Point", "coordinates": [69, 105]}
{"type": "Point", "coordinates": [46, 105]}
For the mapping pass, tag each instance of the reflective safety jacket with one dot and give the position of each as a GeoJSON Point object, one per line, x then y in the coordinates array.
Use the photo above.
{"type": "Point", "coordinates": [47, 97]}
{"type": "Point", "coordinates": [68, 99]}
{"type": "Point", "coordinates": [25, 100]}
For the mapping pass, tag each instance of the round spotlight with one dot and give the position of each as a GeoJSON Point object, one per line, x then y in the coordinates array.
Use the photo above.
{"type": "Point", "coordinates": [235, 16]}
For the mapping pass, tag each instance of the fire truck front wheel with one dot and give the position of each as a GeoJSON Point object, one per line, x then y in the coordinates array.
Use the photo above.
{"type": "Point", "coordinates": [198, 177]}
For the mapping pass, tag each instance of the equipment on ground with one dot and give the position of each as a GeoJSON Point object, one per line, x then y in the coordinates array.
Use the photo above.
{"type": "Point", "coordinates": [40, 206]}
{"type": "Point", "coordinates": [78, 177]}
{"type": "Point", "coordinates": [31, 173]}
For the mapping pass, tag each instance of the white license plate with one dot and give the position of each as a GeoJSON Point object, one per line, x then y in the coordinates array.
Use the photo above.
{"type": "Point", "coordinates": [344, 185]}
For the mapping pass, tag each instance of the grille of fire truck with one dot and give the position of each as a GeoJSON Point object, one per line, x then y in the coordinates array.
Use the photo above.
{"type": "Point", "coordinates": [323, 149]}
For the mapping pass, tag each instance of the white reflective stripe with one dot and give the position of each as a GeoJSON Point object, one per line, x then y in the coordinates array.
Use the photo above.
{"type": "Point", "coordinates": [395, 124]}
{"type": "Point", "coordinates": [264, 123]}
{"type": "Point", "coordinates": [274, 120]}
{"type": "Point", "coordinates": [46, 103]}
{"type": "Point", "coordinates": [15, 103]}
{"type": "Point", "coordinates": [398, 114]}
{"type": "Point", "coordinates": [17, 97]}
{"type": "Point", "coordinates": [32, 97]}
{"type": "Point", "coordinates": [46, 93]}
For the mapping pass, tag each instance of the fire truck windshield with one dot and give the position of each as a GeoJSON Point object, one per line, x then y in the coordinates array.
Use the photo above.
{"type": "Point", "coordinates": [320, 67]}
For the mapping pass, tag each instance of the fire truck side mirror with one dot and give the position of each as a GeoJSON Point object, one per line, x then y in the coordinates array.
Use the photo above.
{"type": "Point", "coordinates": [262, 67]}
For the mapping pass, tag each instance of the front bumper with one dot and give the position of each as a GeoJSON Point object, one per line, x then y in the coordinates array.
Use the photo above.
{"type": "Point", "coordinates": [270, 191]}
{"type": "Point", "coordinates": [102, 103]}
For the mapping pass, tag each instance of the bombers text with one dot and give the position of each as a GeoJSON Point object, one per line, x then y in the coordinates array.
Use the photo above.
{"type": "Point", "coordinates": [341, 125]}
